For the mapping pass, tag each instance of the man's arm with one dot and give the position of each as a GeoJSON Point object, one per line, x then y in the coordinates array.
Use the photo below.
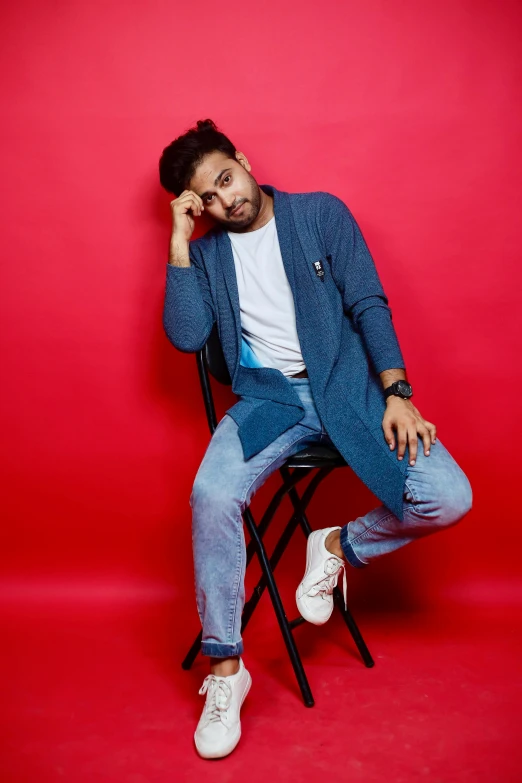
{"type": "Point", "coordinates": [188, 311]}
{"type": "Point", "coordinates": [355, 275]}
{"type": "Point", "coordinates": [365, 302]}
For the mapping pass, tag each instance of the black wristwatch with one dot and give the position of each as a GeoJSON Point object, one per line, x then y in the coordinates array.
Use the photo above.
{"type": "Point", "coordinates": [399, 389]}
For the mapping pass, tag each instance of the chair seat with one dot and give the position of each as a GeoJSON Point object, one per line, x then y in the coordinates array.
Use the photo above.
{"type": "Point", "coordinates": [316, 457]}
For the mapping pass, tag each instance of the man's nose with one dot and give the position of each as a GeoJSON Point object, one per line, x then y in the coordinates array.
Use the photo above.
{"type": "Point", "coordinates": [228, 201]}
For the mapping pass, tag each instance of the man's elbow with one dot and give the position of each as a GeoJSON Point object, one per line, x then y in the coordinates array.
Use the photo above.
{"type": "Point", "coordinates": [366, 307]}
{"type": "Point", "coordinates": [184, 337]}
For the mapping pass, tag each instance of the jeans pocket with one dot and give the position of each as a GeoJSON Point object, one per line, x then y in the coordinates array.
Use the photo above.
{"type": "Point", "coordinates": [408, 494]}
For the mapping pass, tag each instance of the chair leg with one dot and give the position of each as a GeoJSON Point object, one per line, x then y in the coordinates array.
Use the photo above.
{"type": "Point", "coordinates": [284, 625]}
{"type": "Point", "coordinates": [193, 652]}
{"type": "Point", "coordinates": [297, 502]}
{"type": "Point", "coordinates": [259, 589]}
{"type": "Point", "coordinates": [354, 630]}
{"type": "Point", "coordinates": [262, 527]}
{"type": "Point", "coordinates": [300, 504]}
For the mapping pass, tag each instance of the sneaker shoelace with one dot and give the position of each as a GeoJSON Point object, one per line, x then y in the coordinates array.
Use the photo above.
{"type": "Point", "coordinates": [325, 585]}
{"type": "Point", "coordinates": [219, 695]}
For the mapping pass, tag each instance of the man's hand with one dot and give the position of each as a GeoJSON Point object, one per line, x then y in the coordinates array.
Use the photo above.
{"type": "Point", "coordinates": [401, 416]}
{"type": "Point", "coordinates": [183, 208]}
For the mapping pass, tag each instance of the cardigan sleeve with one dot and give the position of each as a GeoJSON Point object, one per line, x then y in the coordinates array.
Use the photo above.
{"type": "Point", "coordinates": [355, 276]}
{"type": "Point", "coordinates": [188, 311]}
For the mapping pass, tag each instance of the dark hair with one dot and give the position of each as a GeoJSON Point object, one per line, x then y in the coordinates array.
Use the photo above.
{"type": "Point", "coordinates": [180, 159]}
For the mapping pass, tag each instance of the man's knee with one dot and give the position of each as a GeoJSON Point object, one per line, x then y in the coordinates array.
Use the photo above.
{"type": "Point", "coordinates": [456, 500]}
{"type": "Point", "coordinates": [211, 497]}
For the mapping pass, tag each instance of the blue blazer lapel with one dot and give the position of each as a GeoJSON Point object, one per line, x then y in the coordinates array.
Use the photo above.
{"type": "Point", "coordinates": [226, 265]}
{"type": "Point", "coordinates": [299, 250]}
{"type": "Point", "coordinates": [283, 217]}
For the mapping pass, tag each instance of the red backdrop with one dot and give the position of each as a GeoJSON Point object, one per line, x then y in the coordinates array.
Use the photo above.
{"type": "Point", "coordinates": [409, 112]}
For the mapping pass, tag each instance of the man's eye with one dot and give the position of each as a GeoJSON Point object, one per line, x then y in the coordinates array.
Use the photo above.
{"type": "Point", "coordinates": [207, 198]}
{"type": "Point", "coordinates": [227, 177]}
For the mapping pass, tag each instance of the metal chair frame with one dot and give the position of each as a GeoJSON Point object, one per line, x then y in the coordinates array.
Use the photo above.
{"type": "Point", "coordinates": [210, 360]}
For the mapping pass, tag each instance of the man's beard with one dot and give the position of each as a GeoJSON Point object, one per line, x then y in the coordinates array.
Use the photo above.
{"type": "Point", "coordinates": [252, 207]}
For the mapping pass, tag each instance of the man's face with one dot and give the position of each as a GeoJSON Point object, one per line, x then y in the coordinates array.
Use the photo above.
{"type": "Point", "coordinates": [225, 184]}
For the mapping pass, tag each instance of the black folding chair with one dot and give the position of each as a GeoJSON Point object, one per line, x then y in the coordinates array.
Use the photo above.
{"type": "Point", "coordinates": [211, 360]}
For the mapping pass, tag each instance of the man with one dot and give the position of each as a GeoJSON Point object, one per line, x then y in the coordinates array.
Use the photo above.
{"type": "Point", "coordinates": [309, 343]}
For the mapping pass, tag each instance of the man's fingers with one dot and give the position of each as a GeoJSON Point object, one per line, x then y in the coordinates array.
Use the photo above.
{"type": "Point", "coordinates": [426, 439]}
{"type": "Point", "coordinates": [196, 202]}
{"type": "Point", "coordinates": [401, 440]}
{"type": "Point", "coordinates": [413, 443]}
{"type": "Point", "coordinates": [189, 200]}
{"type": "Point", "coordinates": [432, 430]}
{"type": "Point", "coordinates": [199, 200]}
{"type": "Point", "coordinates": [404, 432]}
{"type": "Point", "coordinates": [389, 435]}
{"type": "Point", "coordinates": [190, 194]}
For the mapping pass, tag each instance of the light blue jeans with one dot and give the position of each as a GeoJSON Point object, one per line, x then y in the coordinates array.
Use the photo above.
{"type": "Point", "coordinates": [437, 495]}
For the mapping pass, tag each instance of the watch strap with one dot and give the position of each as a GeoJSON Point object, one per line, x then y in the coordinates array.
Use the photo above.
{"type": "Point", "coordinates": [394, 389]}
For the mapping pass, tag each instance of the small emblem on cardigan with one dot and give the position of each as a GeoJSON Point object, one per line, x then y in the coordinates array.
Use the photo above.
{"type": "Point", "coordinates": [319, 271]}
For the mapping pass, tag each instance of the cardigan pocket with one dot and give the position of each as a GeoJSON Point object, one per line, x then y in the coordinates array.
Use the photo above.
{"type": "Point", "coordinates": [324, 285]}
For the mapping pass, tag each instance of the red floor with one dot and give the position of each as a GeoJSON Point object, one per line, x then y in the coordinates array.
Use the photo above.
{"type": "Point", "coordinates": [95, 693]}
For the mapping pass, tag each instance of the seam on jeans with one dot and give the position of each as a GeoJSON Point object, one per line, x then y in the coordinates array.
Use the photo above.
{"type": "Point", "coordinates": [235, 589]}
{"type": "Point", "coordinates": [235, 586]}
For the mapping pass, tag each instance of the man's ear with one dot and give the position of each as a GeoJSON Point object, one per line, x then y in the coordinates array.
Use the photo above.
{"type": "Point", "coordinates": [243, 161]}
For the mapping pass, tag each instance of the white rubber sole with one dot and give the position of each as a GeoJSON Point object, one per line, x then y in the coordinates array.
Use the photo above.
{"type": "Point", "coordinates": [219, 753]}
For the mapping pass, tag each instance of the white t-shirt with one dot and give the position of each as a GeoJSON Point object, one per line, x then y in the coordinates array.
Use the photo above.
{"type": "Point", "coordinates": [265, 299]}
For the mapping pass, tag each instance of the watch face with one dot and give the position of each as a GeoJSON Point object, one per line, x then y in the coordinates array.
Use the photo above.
{"type": "Point", "coordinates": [404, 389]}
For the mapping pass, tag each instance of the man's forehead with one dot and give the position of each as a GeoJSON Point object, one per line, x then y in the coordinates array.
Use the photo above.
{"type": "Point", "coordinates": [209, 169]}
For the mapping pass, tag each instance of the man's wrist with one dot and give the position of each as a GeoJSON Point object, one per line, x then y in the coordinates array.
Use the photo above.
{"type": "Point", "coordinates": [179, 252]}
{"type": "Point", "coordinates": [391, 376]}
{"type": "Point", "coordinates": [399, 388]}
{"type": "Point", "coordinates": [394, 397]}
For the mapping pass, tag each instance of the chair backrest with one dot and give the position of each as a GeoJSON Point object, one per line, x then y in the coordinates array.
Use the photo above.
{"type": "Point", "coordinates": [210, 359]}
{"type": "Point", "coordinates": [215, 359]}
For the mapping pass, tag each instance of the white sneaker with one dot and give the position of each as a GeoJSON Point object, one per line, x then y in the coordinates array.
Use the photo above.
{"type": "Point", "coordinates": [219, 728]}
{"type": "Point", "coordinates": [314, 595]}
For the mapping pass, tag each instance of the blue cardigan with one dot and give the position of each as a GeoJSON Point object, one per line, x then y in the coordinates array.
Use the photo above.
{"type": "Point", "coordinates": [343, 323]}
